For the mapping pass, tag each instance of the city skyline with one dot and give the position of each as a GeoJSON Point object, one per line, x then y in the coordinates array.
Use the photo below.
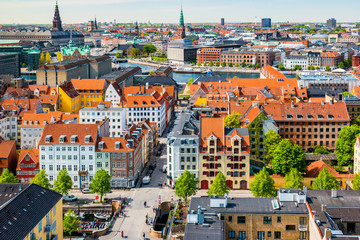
{"type": "Point", "coordinates": [161, 11]}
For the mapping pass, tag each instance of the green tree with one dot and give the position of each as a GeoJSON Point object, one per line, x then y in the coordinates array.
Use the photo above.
{"type": "Point", "coordinates": [8, 177]}
{"type": "Point", "coordinates": [70, 223]}
{"type": "Point", "coordinates": [217, 64]}
{"type": "Point", "coordinates": [101, 183]}
{"type": "Point", "coordinates": [257, 65]}
{"type": "Point", "coordinates": [250, 66]}
{"type": "Point", "coordinates": [41, 179]}
{"type": "Point", "coordinates": [199, 64]}
{"type": "Point", "coordinates": [211, 63]}
{"type": "Point", "coordinates": [48, 58]}
{"type": "Point", "coordinates": [63, 183]}
{"type": "Point", "coordinates": [327, 68]}
{"type": "Point", "coordinates": [58, 56]}
{"type": "Point", "coordinates": [191, 80]}
{"type": "Point", "coordinates": [320, 150]}
{"type": "Point", "coordinates": [150, 48]}
{"type": "Point", "coordinates": [41, 59]}
{"type": "Point", "coordinates": [294, 179]}
{"type": "Point", "coordinates": [317, 68]}
{"type": "Point", "coordinates": [237, 65]}
{"type": "Point", "coordinates": [223, 64]}
{"type": "Point", "coordinates": [232, 120]}
{"type": "Point", "coordinates": [219, 186]}
{"type": "Point", "coordinates": [288, 156]}
{"type": "Point", "coordinates": [186, 185]}
{"type": "Point", "coordinates": [243, 64]}
{"type": "Point", "coordinates": [345, 144]}
{"type": "Point", "coordinates": [169, 33]}
{"type": "Point", "coordinates": [24, 65]}
{"type": "Point", "coordinates": [298, 67]}
{"type": "Point", "coordinates": [272, 140]}
{"type": "Point", "coordinates": [341, 65]}
{"type": "Point", "coordinates": [325, 181]}
{"type": "Point", "coordinates": [230, 64]}
{"type": "Point", "coordinates": [281, 67]}
{"type": "Point", "coordinates": [356, 182]}
{"type": "Point", "coordinates": [134, 52]}
{"type": "Point", "coordinates": [263, 185]}
{"type": "Point", "coordinates": [118, 55]}
{"type": "Point", "coordinates": [205, 64]}
{"type": "Point", "coordinates": [357, 120]}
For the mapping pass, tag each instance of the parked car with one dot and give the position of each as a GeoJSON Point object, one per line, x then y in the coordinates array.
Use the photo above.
{"type": "Point", "coordinates": [152, 166]}
{"type": "Point", "coordinates": [146, 180]}
{"type": "Point", "coordinates": [86, 190]}
{"type": "Point", "coordinates": [69, 198]}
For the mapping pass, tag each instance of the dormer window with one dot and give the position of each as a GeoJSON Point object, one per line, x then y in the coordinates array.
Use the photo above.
{"type": "Point", "coordinates": [152, 103]}
{"type": "Point", "coordinates": [25, 122]}
{"type": "Point", "coordinates": [135, 103]}
{"type": "Point", "coordinates": [30, 122]}
{"type": "Point", "coordinates": [299, 116]}
{"type": "Point", "coordinates": [62, 139]}
{"type": "Point", "coordinates": [87, 138]}
{"type": "Point", "coordinates": [144, 103]}
{"type": "Point", "coordinates": [288, 116]}
{"type": "Point", "coordinates": [45, 122]}
{"type": "Point", "coordinates": [101, 145]}
{"type": "Point", "coordinates": [36, 122]}
{"type": "Point", "coordinates": [330, 116]}
{"type": "Point", "coordinates": [128, 145]}
{"type": "Point", "coordinates": [48, 139]}
{"type": "Point", "coordinates": [117, 145]}
{"type": "Point", "coordinates": [73, 139]}
{"type": "Point", "coordinates": [131, 141]}
{"type": "Point", "coordinates": [319, 116]}
{"type": "Point", "coordinates": [309, 116]}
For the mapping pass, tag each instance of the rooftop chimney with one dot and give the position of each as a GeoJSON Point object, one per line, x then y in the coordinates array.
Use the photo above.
{"type": "Point", "coordinates": [322, 102]}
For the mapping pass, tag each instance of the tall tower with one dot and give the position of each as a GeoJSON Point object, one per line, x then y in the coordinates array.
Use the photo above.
{"type": "Point", "coordinates": [57, 20]}
{"type": "Point", "coordinates": [137, 28]}
{"type": "Point", "coordinates": [182, 25]}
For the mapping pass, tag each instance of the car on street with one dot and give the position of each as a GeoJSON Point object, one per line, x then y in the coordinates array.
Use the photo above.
{"type": "Point", "coordinates": [152, 166]}
{"type": "Point", "coordinates": [146, 180]}
{"type": "Point", "coordinates": [86, 190]}
{"type": "Point", "coordinates": [69, 198]}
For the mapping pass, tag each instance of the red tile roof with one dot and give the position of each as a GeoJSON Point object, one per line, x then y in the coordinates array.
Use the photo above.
{"type": "Point", "coordinates": [88, 84]}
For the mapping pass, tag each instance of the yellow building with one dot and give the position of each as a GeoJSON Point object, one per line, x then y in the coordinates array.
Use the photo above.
{"type": "Point", "coordinates": [223, 150]}
{"type": "Point", "coordinates": [69, 98]}
{"type": "Point", "coordinates": [90, 90]}
{"type": "Point", "coordinates": [30, 212]}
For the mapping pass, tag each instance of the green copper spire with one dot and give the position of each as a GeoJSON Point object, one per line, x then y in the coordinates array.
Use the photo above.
{"type": "Point", "coordinates": [182, 18]}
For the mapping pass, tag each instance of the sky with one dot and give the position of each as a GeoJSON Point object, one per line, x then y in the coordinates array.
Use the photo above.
{"type": "Point", "coordinates": [168, 11]}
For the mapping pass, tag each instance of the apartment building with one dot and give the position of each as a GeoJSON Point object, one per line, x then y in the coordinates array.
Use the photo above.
{"type": "Point", "coordinates": [69, 98]}
{"type": "Point", "coordinates": [71, 147]}
{"type": "Point", "coordinates": [309, 124]}
{"type": "Point", "coordinates": [116, 115]}
{"type": "Point", "coordinates": [113, 94]}
{"type": "Point", "coordinates": [331, 59]}
{"type": "Point", "coordinates": [8, 156]}
{"type": "Point", "coordinates": [90, 90]}
{"type": "Point", "coordinates": [225, 150]}
{"type": "Point", "coordinates": [206, 55]}
{"type": "Point", "coordinates": [183, 147]}
{"type": "Point", "coordinates": [264, 58]}
{"type": "Point", "coordinates": [28, 165]}
{"type": "Point", "coordinates": [285, 217]}
{"type": "Point", "coordinates": [30, 212]}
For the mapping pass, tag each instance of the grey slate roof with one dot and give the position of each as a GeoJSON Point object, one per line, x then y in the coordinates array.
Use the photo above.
{"type": "Point", "coordinates": [210, 78]}
{"type": "Point", "coordinates": [23, 205]}
{"type": "Point", "coordinates": [160, 80]}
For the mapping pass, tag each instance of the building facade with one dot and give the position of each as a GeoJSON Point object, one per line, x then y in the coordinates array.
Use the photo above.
{"type": "Point", "coordinates": [90, 90]}
{"type": "Point", "coordinates": [28, 165]}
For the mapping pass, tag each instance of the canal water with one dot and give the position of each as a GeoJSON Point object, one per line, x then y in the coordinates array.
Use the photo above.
{"type": "Point", "coordinates": [184, 77]}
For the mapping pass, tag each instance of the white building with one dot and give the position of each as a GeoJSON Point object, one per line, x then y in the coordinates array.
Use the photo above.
{"type": "Point", "coordinates": [113, 94]}
{"type": "Point", "coordinates": [71, 147]}
{"type": "Point", "coordinates": [183, 148]}
{"type": "Point", "coordinates": [8, 126]}
{"type": "Point", "coordinates": [33, 124]}
{"type": "Point", "coordinates": [116, 115]}
{"type": "Point", "coordinates": [146, 106]}
{"type": "Point", "coordinates": [291, 61]}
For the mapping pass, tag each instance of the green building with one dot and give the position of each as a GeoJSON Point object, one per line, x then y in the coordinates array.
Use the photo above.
{"type": "Point", "coordinates": [102, 160]}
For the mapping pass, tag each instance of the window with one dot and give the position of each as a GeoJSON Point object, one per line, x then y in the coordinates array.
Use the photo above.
{"type": "Point", "coordinates": [277, 235]}
{"type": "Point", "coordinates": [261, 235]}
{"type": "Point", "coordinates": [269, 234]}
{"type": "Point", "coordinates": [242, 235]}
{"type": "Point", "coordinates": [303, 220]}
{"type": "Point", "coordinates": [290, 227]}
{"type": "Point", "coordinates": [230, 218]}
{"type": "Point", "coordinates": [267, 220]}
{"type": "Point", "coordinates": [241, 219]}
{"type": "Point", "coordinates": [279, 219]}
{"type": "Point", "coordinates": [302, 235]}
{"type": "Point", "coordinates": [231, 234]}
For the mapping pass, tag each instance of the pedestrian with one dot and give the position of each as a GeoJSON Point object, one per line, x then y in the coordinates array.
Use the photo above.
{"type": "Point", "coordinates": [145, 204]}
{"type": "Point", "coordinates": [144, 235]}
{"type": "Point", "coordinates": [122, 234]}
{"type": "Point", "coordinates": [147, 216]}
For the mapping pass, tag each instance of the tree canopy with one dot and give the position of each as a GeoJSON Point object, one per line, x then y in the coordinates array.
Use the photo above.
{"type": "Point", "coordinates": [41, 179]}
{"type": "Point", "coordinates": [232, 120]}
{"type": "Point", "coordinates": [288, 156]}
{"type": "Point", "coordinates": [281, 67]}
{"type": "Point", "coordinates": [223, 64]}
{"type": "Point", "coordinates": [219, 186]}
{"type": "Point", "coordinates": [150, 48]}
{"type": "Point", "coordinates": [48, 58]}
{"type": "Point", "coordinates": [58, 56]}
{"type": "Point", "coordinates": [327, 68]}
{"type": "Point", "coordinates": [191, 80]}
{"type": "Point", "coordinates": [186, 185]}
{"type": "Point", "coordinates": [211, 63]}
{"type": "Point", "coordinates": [134, 52]}
{"type": "Point", "coordinates": [243, 64]}
{"type": "Point", "coordinates": [70, 223]}
{"type": "Point", "coordinates": [118, 55]}
{"type": "Point", "coordinates": [8, 177]}
{"type": "Point", "coordinates": [341, 65]}
{"type": "Point", "coordinates": [272, 140]}
{"type": "Point", "coordinates": [356, 182]}
{"type": "Point", "coordinates": [41, 59]}
{"type": "Point", "coordinates": [345, 144]}
{"type": "Point", "coordinates": [63, 183]}
{"type": "Point", "coordinates": [294, 179]}
{"type": "Point", "coordinates": [257, 65]}
{"type": "Point", "coordinates": [230, 64]}
{"type": "Point", "coordinates": [263, 185]}
{"type": "Point", "coordinates": [325, 181]}
{"type": "Point", "coordinates": [320, 150]}
{"type": "Point", "coordinates": [101, 183]}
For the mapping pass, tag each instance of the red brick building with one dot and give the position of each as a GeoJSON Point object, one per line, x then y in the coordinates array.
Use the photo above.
{"type": "Point", "coordinates": [264, 58]}
{"type": "Point", "coordinates": [206, 55]}
{"type": "Point", "coordinates": [28, 165]}
{"type": "Point", "coordinates": [8, 156]}
{"type": "Point", "coordinates": [356, 60]}
{"type": "Point", "coordinates": [331, 59]}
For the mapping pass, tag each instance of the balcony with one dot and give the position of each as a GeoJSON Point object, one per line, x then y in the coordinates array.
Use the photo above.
{"type": "Point", "coordinates": [83, 173]}
{"type": "Point", "coordinates": [303, 227]}
{"type": "Point", "coordinates": [49, 228]}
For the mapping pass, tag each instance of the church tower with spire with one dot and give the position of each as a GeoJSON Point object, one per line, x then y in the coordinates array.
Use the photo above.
{"type": "Point", "coordinates": [57, 20]}
{"type": "Point", "coordinates": [182, 25]}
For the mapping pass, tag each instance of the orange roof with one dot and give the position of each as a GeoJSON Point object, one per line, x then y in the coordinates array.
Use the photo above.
{"type": "Point", "coordinates": [41, 88]}
{"type": "Point", "coordinates": [250, 116]}
{"type": "Point", "coordinates": [68, 130]}
{"type": "Point", "coordinates": [88, 84]}
{"type": "Point", "coordinates": [317, 99]}
{"type": "Point", "coordinates": [315, 167]}
{"type": "Point", "coordinates": [49, 98]}
{"type": "Point", "coordinates": [143, 100]}
{"type": "Point", "coordinates": [356, 91]}
{"type": "Point", "coordinates": [330, 54]}
{"type": "Point", "coordinates": [149, 89]}
{"type": "Point", "coordinates": [32, 153]}
{"type": "Point", "coordinates": [109, 145]}
{"type": "Point", "coordinates": [270, 72]}
{"type": "Point", "coordinates": [14, 104]}
{"type": "Point", "coordinates": [5, 148]}
{"type": "Point", "coordinates": [42, 119]}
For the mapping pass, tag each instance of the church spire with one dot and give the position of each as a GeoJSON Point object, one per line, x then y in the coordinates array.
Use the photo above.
{"type": "Point", "coordinates": [57, 20]}
{"type": "Point", "coordinates": [181, 18]}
